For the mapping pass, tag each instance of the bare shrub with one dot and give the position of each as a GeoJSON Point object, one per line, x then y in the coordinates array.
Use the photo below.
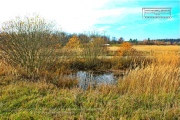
{"type": "Point", "coordinates": [28, 44]}
{"type": "Point", "coordinates": [93, 50]}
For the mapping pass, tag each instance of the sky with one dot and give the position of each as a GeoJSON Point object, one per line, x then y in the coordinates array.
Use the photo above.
{"type": "Point", "coordinates": [114, 18]}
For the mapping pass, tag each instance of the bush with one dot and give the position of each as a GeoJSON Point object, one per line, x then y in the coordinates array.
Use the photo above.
{"type": "Point", "coordinates": [74, 42]}
{"type": "Point", "coordinates": [28, 44]}
{"type": "Point", "coordinates": [125, 49]}
{"type": "Point", "coordinates": [92, 51]}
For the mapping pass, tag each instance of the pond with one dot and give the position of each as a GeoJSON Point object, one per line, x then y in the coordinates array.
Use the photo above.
{"type": "Point", "coordinates": [87, 78]}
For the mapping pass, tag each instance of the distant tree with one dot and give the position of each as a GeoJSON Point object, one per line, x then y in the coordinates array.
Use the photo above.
{"type": "Point", "coordinates": [113, 38]}
{"type": "Point", "coordinates": [130, 40]}
{"type": "Point", "coordinates": [105, 38]}
{"type": "Point", "coordinates": [113, 41]}
{"type": "Point", "coordinates": [135, 41]}
{"type": "Point", "coordinates": [83, 38]}
{"type": "Point", "coordinates": [63, 38]}
{"type": "Point", "coordinates": [148, 41]}
{"type": "Point", "coordinates": [120, 40]}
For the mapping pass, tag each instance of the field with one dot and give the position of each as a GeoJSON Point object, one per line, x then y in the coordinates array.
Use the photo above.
{"type": "Point", "coordinates": [149, 92]}
{"type": "Point", "coordinates": [166, 48]}
{"type": "Point", "coordinates": [149, 48]}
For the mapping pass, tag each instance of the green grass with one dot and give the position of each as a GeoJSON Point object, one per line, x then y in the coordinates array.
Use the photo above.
{"type": "Point", "coordinates": [28, 100]}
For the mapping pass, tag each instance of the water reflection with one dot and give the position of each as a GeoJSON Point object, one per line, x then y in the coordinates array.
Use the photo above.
{"type": "Point", "coordinates": [89, 78]}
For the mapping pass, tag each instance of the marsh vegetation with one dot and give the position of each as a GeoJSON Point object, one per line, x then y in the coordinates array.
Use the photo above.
{"type": "Point", "coordinates": [46, 75]}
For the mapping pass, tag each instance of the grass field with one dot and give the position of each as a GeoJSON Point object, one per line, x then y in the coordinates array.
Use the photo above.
{"type": "Point", "coordinates": [150, 92]}
{"type": "Point", "coordinates": [148, 48]}
{"type": "Point", "coordinates": [166, 48]}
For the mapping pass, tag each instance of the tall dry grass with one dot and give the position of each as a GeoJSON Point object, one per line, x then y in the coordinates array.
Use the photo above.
{"type": "Point", "coordinates": [162, 76]}
{"type": "Point", "coordinates": [151, 80]}
{"type": "Point", "coordinates": [167, 58]}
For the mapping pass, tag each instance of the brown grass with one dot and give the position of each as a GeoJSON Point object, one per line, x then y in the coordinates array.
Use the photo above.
{"type": "Point", "coordinates": [162, 75]}
{"type": "Point", "coordinates": [167, 58]}
{"type": "Point", "coordinates": [148, 50]}
{"type": "Point", "coordinates": [113, 48]}
{"type": "Point", "coordinates": [151, 80]}
{"type": "Point", "coordinates": [163, 48]}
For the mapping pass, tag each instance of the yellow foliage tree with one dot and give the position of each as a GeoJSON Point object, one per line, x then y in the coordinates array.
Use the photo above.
{"type": "Point", "coordinates": [74, 42]}
{"type": "Point", "coordinates": [125, 47]}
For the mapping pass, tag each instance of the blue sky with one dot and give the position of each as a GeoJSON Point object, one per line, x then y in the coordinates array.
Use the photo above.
{"type": "Point", "coordinates": [115, 18]}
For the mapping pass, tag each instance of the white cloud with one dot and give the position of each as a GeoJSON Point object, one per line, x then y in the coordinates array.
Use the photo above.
{"type": "Point", "coordinates": [73, 16]}
{"type": "Point", "coordinates": [121, 27]}
{"type": "Point", "coordinates": [102, 29]}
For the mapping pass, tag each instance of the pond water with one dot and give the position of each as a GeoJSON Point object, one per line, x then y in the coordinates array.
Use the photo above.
{"type": "Point", "coordinates": [91, 78]}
